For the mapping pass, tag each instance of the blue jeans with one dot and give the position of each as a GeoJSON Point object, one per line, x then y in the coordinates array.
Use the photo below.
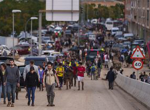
{"type": "Point", "coordinates": [4, 92]}
{"type": "Point", "coordinates": [31, 89]}
{"type": "Point", "coordinates": [11, 89]}
{"type": "Point", "coordinates": [0, 91]}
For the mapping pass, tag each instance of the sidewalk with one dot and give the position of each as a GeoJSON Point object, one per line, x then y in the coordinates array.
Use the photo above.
{"type": "Point", "coordinates": [128, 71]}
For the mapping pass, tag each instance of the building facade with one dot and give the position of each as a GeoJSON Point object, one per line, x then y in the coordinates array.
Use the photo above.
{"type": "Point", "coordinates": [137, 13]}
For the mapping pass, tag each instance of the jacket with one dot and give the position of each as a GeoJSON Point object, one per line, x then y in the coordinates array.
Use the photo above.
{"type": "Point", "coordinates": [27, 69]}
{"type": "Point", "coordinates": [31, 80]}
{"type": "Point", "coordinates": [1, 78]}
{"type": "Point", "coordinates": [110, 76]}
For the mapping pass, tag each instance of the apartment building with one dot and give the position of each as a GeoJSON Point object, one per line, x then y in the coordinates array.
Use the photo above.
{"type": "Point", "coordinates": [137, 13]}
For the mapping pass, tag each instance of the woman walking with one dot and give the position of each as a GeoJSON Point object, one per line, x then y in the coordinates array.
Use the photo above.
{"type": "Point", "coordinates": [31, 83]}
{"type": "Point", "coordinates": [3, 69]}
{"type": "Point", "coordinates": [1, 83]}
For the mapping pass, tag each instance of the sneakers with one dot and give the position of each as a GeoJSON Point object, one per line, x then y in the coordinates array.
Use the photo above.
{"type": "Point", "coordinates": [9, 104]}
{"type": "Point", "coordinates": [28, 103]}
{"type": "Point", "coordinates": [4, 102]}
{"type": "Point", "coordinates": [12, 105]}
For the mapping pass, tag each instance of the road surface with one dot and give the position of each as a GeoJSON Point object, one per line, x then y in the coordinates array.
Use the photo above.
{"type": "Point", "coordinates": [96, 96]}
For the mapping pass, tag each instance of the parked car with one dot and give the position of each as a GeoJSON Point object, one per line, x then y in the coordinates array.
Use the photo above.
{"type": "Point", "coordinates": [129, 36]}
{"type": "Point", "coordinates": [91, 54]}
{"type": "Point", "coordinates": [118, 33]}
{"type": "Point", "coordinates": [38, 60]}
{"type": "Point", "coordinates": [45, 39]}
{"type": "Point", "coordinates": [92, 37]}
{"type": "Point", "coordinates": [6, 49]}
{"type": "Point", "coordinates": [21, 49]}
{"type": "Point", "coordinates": [114, 31]}
{"type": "Point", "coordinates": [138, 42]}
{"type": "Point", "coordinates": [5, 59]}
{"type": "Point", "coordinates": [68, 33]}
{"type": "Point", "coordinates": [117, 47]}
{"type": "Point", "coordinates": [127, 44]}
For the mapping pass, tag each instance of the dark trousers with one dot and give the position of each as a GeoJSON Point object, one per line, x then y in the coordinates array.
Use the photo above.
{"type": "Point", "coordinates": [111, 85]}
{"type": "Point", "coordinates": [74, 80]}
{"type": "Point", "coordinates": [11, 88]}
{"type": "Point", "coordinates": [60, 81]}
{"type": "Point", "coordinates": [4, 92]}
{"type": "Point", "coordinates": [29, 90]}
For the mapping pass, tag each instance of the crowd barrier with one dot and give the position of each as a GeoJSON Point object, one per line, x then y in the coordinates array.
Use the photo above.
{"type": "Point", "coordinates": [137, 89]}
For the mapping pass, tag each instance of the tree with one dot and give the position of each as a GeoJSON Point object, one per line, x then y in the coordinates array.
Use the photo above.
{"type": "Point", "coordinates": [29, 8]}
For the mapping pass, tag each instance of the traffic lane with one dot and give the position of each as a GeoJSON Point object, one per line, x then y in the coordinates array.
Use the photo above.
{"type": "Point", "coordinates": [96, 96]}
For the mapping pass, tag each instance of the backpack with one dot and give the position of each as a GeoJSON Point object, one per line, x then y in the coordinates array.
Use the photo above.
{"type": "Point", "coordinates": [93, 69]}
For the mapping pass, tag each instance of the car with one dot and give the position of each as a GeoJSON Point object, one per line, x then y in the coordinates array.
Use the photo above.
{"type": "Point", "coordinates": [68, 33]}
{"type": "Point", "coordinates": [138, 42]}
{"type": "Point", "coordinates": [38, 60]}
{"type": "Point", "coordinates": [91, 54]}
{"type": "Point", "coordinates": [5, 59]}
{"type": "Point", "coordinates": [6, 49]}
{"type": "Point", "coordinates": [45, 39]}
{"type": "Point", "coordinates": [92, 37]}
{"type": "Point", "coordinates": [127, 44]}
{"type": "Point", "coordinates": [47, 52]}
{"type": "Point", "coordinates": [21, 49]}
{"type": "Point", "coordinates": [129, 36]}
{"type": "Point", "coordinates": [58, 29]}
{"type": "Point", "coordinates": [117, 47]}
{"type": "Point", "coordinates": [118, 33]}
{"type": "Point", "coordinates": [114, 31]}
{"type": "Point", "coordinates": [51, 59]}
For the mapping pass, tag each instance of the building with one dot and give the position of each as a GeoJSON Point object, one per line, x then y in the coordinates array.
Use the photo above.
{"type": "Point", "coordinates": [107, 3]}
{"type": "Point", "coordinates": [137, 13]}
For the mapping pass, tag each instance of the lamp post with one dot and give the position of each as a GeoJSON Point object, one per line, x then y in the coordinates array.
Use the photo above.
{"type": "Point", "coordinates": [13, 14]}
{"type": "Point", "coordinates": [32, 18]}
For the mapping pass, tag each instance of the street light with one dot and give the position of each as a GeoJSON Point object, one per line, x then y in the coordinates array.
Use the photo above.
{"type": "Point", "coordinates": [13, 12]}
{"type": "Point", "coordinates": [32, 18]}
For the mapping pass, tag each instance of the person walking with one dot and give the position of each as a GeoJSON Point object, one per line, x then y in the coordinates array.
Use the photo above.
{"type": "Point", "coordinates": [93, 71]}
{"type": "Point", "coordinates": [1, 83]}
{"type": "Point", "coordinates": [60, 73]}
{"type": "Point", "coordinates": [31, 83]}
{"type": "Point", "coordinates": [80, 73]}
{"type": "Point", "coordinates": [3, 69]}
{"type": "Point", "coordinates": [106, 59]}
{"type": "Point", "coordinates": [27, 70]}
{"type": "Point", "coordinates": [41, 74]}
{"type": "Point", "coordinates": [99, 67]}
{"type": "Point", "coordinates": [68, 76]}
{"type": "Point", "coordinates": [12, 80]}
{"type": "Point", "coordinates": [74, 75]}
{"type": "Point", "coordinates": [49, 82]}
{"type": "Point", "coordinates": [110, 77]}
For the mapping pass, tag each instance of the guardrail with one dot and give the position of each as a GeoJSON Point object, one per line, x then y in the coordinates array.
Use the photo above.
{"type": "Point", "coordinates": [139, 90]}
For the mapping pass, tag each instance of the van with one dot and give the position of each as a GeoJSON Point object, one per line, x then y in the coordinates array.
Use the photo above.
{"type": "Point", "coordinates": [114, 31]}
{"type": "Point", "coordinates": [38, 60]}
{"type": "Point", "coordinates": [109, 25]}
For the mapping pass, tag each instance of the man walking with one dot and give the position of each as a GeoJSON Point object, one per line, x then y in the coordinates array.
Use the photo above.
{"type": "Point", "coordinates": [49, 82]}
{"type": "Point", "coordinates": [13, 79]}
{"type": "Point", "coordinates": [80, 73]}
{"type": "Point", "coordinates": [60, 73]}
{"type": "Point", "coordinates": [110, 77]}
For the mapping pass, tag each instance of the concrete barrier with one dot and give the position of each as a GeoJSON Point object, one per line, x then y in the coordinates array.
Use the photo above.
{"type": "Point", "coordinates": [137, 89]}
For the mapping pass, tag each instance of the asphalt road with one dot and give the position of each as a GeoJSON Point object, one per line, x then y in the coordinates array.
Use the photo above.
{"type": "Point", "coordinates": [96, 96]}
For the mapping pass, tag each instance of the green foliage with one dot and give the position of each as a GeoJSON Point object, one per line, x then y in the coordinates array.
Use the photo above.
{"type": "Point", "coordinates": [29, 8]}
{"type": "Point", "coordinates": [113, 12]}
